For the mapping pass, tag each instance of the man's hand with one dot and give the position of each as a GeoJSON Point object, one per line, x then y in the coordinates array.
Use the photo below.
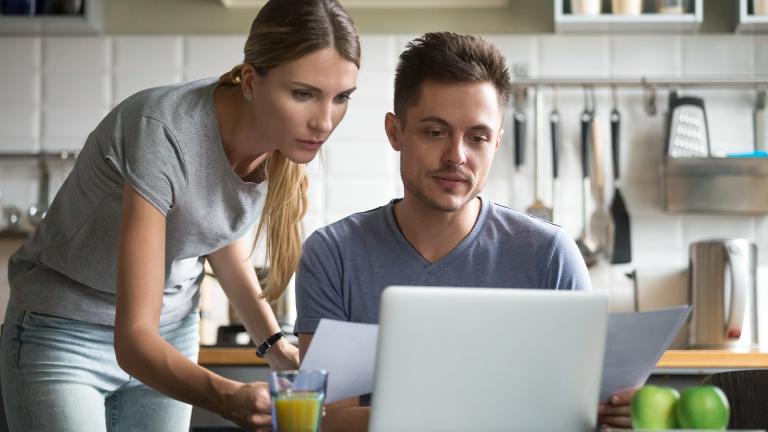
{"type": "Point", "coordinates": [615, 412]}
{"type": "Point", "coordinates": [249, 407]}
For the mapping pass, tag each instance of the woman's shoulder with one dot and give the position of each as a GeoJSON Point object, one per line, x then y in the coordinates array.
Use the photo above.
{"type": "Point", "coordinates": [170, 103]}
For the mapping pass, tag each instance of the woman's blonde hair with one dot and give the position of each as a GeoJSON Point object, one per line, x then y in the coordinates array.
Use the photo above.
{"type": "Point", "coordinates": [283, 31]}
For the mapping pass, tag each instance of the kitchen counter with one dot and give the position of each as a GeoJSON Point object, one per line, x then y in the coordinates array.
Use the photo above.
{"type": "Point", "coordinates": [670, 361]}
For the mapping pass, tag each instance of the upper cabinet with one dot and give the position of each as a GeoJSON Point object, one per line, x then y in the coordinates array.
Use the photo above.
{"type": "Point", "coordinates": [51, 16]}
{"type": "Point", "coordinates": [628, 16]}
{"type": "Point", "coordinates": [388, 4]}
{"type": "Point", "coordinates": [753, 16]}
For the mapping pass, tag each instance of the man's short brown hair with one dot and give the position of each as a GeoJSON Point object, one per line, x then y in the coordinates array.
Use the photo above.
{"type": "Point", "coordinates": [449, 58]}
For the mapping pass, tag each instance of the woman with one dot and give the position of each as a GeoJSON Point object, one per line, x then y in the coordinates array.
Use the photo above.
{"type": "Point", "coordinates": [101, 330]}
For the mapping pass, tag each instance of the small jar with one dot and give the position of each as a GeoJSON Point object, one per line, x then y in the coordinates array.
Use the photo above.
{"type": "Point", "coordinates": [672, 6]}
{"type": "Point", "coordinates": [585, 7]}
{"type": "Point", "coordinates": [627, 7]}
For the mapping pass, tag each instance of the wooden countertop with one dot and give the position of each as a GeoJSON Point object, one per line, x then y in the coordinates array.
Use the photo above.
{"type": "Point", "coordinates": [672, 359]}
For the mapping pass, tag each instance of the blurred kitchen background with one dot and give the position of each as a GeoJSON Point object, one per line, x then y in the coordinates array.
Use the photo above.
{"type": "Point", "coordinates": [62, 74]}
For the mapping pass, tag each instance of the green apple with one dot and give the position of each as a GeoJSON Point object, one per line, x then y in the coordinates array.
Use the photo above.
{"type": "Point", "coordinates": [653, 407]}
{"type": "Point", "coordinates": [703, 407]}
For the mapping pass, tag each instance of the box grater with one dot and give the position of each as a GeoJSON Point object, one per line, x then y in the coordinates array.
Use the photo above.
{"type": "Point", "coordinates": [687, 131]}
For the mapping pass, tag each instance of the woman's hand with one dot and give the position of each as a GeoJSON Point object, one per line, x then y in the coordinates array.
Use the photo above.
{"type": "Point", "coordinates": [283, 356]}
{"type": "Point", "coordinates": [249, 407]}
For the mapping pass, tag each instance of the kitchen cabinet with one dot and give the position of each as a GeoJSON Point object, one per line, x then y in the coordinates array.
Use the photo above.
{"type": "Point", "coordinates": [90, 22]}
{"type": "Point", "coordinates": [751, 20]}
{"type": "Point", "coordinates": [647, 22]}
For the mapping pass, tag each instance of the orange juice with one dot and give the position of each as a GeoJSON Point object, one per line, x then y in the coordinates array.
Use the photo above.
{"type": "Point", "coordinates": [298, 412]}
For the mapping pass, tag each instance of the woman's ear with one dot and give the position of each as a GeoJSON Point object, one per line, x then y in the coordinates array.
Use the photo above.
{"type": "Point", "coordinates": [392, 126]}
{"type": "Point", "coordinates": [248, 77]}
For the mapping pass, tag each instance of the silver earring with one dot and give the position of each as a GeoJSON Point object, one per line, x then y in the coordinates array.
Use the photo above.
{"type": "Point", "coordinates": [247, 97]}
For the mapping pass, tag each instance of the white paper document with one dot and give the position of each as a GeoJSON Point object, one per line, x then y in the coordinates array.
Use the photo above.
{"type": "Point", "coordinates": [348, 352]}
{"type": "Point", "coordinates": [634, 344]}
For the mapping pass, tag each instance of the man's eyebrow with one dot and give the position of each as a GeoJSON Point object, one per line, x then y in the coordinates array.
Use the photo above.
{"type": "Point", "coordinates": [435, 119]}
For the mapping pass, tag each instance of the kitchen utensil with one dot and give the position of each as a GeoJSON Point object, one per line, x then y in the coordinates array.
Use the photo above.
{"type": "Point", "coordinates": [621, 248]}
{"type": "Point", "coordinates": [600, 221]}
{"type": "Point", "coordinates": [519, 120]}
{"type": "Point", "coordinates": [36, 212]}
{"type": "Point", "coordinates": [586, 243]}
{"type": "Point", "coordinates": [538, 209]}
{"type": "Point", "coordinates": [722, 278]}
{"type": "Point", "coordinates": [688, 132]}
{"type": "Point", "coordinates": [554, 128]}
{"type": "Point", "coordinates": [759, 122]}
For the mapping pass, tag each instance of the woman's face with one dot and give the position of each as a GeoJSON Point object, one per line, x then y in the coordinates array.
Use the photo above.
{"type": "Point", "coordinates": [297, 105]}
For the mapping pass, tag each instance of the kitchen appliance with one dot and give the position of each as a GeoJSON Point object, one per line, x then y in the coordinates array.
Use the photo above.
{"type": "Point", "coordinates": [687, 129]}
{"type": "Point", "coordinates": [722, 278]}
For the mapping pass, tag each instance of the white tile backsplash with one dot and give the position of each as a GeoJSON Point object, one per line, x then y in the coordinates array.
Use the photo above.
{"type": "Point", "coordinates": [761, 55]}
{"type": "Point", "coordinates": [646, 55]}
{"type": "Point", "coordinates": [70, 56]}
{"type": "Point", "coordinates": [358, 170]}
{"type": "Point", "coordinates": [574, 56]}
{"type": "Point", "coordinates": [710, 55]}
{"type": "Point", "coordinates": [21, 77]}
{"type": "Point", "coordinates": [137, 53]}
{"type": "Point", "coordinates": [698, 227]}
{"type": "Point", "coordinates": [19, 127]}
{"type": "Point", "coordinates": [208, 56]}
{"type": "Point", "coordinates": [89, 87]}
{"type": "Point", "coordinates": [66, 129]}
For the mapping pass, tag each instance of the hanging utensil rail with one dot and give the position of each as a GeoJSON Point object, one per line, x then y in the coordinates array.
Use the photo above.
{"type": "Point", "coordinates": [62, 155]}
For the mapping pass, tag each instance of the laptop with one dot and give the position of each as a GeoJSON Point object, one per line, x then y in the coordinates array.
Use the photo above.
{"type": "Point", "coordinates": [484, 359]}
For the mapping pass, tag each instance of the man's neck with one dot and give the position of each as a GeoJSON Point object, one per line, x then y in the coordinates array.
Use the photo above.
{"type": "Point", "coordinates": [434, 233]}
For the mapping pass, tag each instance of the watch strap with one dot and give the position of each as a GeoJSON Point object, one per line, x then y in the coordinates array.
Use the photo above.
{"type": "Point", "coordinates": [265, 346]}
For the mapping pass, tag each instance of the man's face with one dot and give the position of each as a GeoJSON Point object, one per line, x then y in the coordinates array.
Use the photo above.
{"type": "Point", "coordinates": [447, 142]}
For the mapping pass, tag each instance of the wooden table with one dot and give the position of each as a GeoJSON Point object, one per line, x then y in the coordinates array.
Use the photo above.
{"type": "Point", "coordinates": [672, 359]}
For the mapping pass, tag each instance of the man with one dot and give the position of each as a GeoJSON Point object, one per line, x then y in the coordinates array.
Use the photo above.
{"type": "Point", "coordinates": [450, 95]}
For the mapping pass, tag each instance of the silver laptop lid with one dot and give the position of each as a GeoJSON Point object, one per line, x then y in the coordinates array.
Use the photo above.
{"type": "Point", "coordinates": [479, 359]}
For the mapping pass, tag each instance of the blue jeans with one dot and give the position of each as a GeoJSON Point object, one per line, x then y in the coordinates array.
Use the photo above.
{"type": "Point", "coordinates": [60, 374]}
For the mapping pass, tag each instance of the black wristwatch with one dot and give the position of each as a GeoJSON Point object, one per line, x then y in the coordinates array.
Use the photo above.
{"type": "Point", "coordinates": [264, 347]}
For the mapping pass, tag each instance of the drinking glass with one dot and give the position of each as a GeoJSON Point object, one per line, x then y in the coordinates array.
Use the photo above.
{"type": "Point", "coordinates": [297, 399]}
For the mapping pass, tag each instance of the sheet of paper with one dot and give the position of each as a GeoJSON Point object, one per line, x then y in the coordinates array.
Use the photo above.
{"type": "Point", "coordinates": [635, 343]}
{"type": "Point", "coordinates": [348, 352]}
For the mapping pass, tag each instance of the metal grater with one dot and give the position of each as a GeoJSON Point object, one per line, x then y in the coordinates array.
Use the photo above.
{"type": "Point", "coordinates": [688, 134]}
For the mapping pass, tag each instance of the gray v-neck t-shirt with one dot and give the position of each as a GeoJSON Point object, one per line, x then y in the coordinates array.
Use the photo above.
{"type": "Point", "coordinates": [345, 266]}
{"type": "Point", "coordinates": [165, 143]}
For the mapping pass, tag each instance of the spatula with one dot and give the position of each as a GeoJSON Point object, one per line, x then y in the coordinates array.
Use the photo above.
{"type": "Point", "coordinates": [622, 243]}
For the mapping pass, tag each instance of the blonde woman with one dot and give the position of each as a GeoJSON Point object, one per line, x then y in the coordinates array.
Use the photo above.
{"type": "Point", "coordinates": [101, 332]}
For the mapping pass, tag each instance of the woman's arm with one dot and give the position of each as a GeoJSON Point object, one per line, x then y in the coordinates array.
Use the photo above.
{"type": "Point", "coordinates": [140, 349]}
{"type": "Point", "coordinates": [234, 270]}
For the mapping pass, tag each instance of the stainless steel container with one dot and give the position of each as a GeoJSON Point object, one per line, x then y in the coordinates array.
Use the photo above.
{"type": "Point", "coordinates": [722, 289]}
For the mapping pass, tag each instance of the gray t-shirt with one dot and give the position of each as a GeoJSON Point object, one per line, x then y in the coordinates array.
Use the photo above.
{"type": "Point", "coordinates": [165, 143]}
{"type": "Point", "coordinates": [346, 265]}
